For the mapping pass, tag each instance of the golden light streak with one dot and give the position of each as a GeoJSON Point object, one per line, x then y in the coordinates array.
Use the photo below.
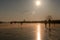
{"type": "Point", "coordinates": [38, 32]}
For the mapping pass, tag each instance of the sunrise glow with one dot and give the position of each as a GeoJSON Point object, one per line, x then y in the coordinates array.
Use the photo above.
{"type": "Point", "coordinates": [38, 3]}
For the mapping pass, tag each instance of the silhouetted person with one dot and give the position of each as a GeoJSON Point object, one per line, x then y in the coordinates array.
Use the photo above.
{"type": "Point", "coordinates": [45, 24]}
{"type": "Point", "coordinates": [21, 25]}
{"type": "Point", "coordinates": [49, 21]}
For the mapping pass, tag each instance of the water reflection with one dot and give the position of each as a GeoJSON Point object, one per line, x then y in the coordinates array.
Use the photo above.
{"type": "Point", "coordinates": [38, 32]}
{"type": "Point", "coordinates": [28, 32]}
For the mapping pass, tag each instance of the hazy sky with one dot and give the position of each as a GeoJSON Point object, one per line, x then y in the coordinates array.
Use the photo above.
{"type": "Point", "coordinates": [27, 9]}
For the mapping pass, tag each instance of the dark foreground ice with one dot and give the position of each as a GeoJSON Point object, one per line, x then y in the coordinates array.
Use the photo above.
{"type": "Point", "coordinates": [27, 32]}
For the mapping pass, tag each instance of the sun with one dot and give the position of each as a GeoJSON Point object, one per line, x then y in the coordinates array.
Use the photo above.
{"type": "Point", "coordinates": [38, 3]}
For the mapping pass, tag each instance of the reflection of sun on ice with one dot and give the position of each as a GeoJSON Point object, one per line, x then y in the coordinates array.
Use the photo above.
{"type": "Point", "coordinates": [38, 32]}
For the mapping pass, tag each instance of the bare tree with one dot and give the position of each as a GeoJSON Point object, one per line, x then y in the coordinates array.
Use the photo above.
{"type": "Point", "coordinates": [49, 17]}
